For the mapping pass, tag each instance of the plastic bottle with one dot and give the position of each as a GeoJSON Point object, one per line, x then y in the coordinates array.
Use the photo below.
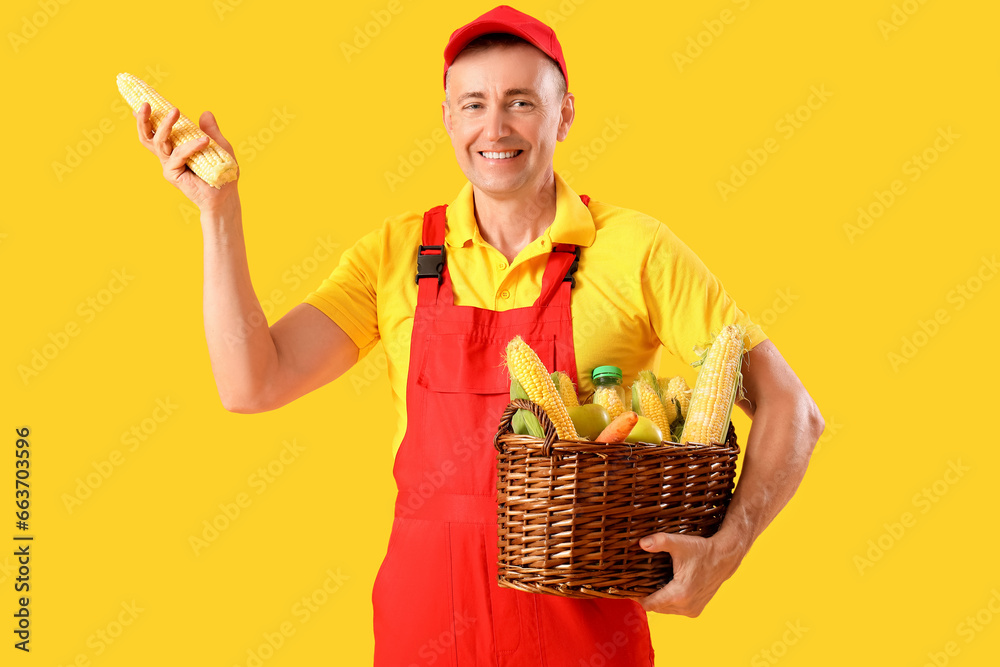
{"type": "Point", "coordinates": [608, 379]}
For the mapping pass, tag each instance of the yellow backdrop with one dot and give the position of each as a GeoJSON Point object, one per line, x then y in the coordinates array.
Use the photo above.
{"type": "Point", "coordinates": [833, 163]}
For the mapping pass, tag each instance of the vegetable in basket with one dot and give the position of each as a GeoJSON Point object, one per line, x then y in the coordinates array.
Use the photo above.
{"type": "Point", "coordinates": [525, 367]}
{"type": "Point", "coordinates": [719, 380]}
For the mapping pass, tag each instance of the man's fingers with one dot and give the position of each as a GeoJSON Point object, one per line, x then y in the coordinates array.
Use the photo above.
{"type": "Point", "coordinates": [210, 126]}
{"type": "Point", "coordinates": [183, 152]}
{"type": "Point", "coordinates": [161, 140]}
{"type": "Point", "coordinates": [174, 166]}
{"type": "Point", "coordinates": [142, 125]}
{"type": "Point", "coordinates": [675, 543]}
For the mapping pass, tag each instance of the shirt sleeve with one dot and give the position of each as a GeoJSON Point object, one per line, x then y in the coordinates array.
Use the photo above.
{"type": "Point", "coordinates": [687, 304]}
{"type": "Point", "coordinates": [348, 295]}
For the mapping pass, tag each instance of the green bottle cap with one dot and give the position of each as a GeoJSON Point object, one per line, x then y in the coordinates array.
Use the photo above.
{"type": "Point", "coordinates": [607, 372]}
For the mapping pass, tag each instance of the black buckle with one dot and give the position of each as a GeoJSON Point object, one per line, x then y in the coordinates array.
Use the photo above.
{"type": "Point", "coordinates": [572, 268]}
{"type": "Point", "coordinates": [430, 266]}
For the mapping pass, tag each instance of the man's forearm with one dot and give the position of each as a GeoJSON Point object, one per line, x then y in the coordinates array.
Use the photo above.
{"type": "Point", "coordinates": [782, 436]}
{"type": "Point", "coordinates": [239, 339]}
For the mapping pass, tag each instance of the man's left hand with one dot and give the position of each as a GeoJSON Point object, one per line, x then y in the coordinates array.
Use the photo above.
{"type": "Point", "coordinates": [700, 565]}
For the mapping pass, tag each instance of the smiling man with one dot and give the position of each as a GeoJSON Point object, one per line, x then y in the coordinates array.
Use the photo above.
{"type": "Point", "coordinates": [517, 252]}
{"type": "Point", "coordinates": [508, 110]}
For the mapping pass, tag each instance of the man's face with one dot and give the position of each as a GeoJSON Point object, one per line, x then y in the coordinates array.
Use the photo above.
{"type": "Point", "coordinates": [506, 100]}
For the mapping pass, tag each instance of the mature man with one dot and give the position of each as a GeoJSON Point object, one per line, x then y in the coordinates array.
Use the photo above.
{"type": "Point", "coordinates": [497, 261]}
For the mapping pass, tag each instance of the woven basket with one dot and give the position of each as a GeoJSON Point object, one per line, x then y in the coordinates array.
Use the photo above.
{"type": "Point", "coordinates": [570, 513]}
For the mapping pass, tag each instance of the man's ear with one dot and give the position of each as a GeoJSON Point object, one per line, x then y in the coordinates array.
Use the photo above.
{"type": "Point", "coordinates": [567, 112]}
{"type": "Point", "coordinates": [446, 117]}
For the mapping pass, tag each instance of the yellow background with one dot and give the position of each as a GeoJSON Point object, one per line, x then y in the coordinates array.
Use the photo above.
{"type": "Point", "coordinates": [835, 308]}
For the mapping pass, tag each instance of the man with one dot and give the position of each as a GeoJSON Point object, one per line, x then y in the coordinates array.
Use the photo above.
{"type": "Point", "coordinates": [498, 261]}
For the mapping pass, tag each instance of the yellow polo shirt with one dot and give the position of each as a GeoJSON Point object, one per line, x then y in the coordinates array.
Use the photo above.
{"type": "Point", "coordinates": [639, 288]}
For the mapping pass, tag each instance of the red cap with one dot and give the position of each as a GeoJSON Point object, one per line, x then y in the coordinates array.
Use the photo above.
{"type": "Point", "coordinates": [507, 20]}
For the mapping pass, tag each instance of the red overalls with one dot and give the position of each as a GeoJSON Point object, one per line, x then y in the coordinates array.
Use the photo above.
{"type": "Point", "coordinates": [436, 599]}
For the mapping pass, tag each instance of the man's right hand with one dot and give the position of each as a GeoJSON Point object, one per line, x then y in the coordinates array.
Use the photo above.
{"type": "Point", "coordinates": [172, 158]}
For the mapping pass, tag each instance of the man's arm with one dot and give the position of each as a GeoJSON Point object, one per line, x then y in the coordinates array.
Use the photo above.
{"type": "Point", "coordinates": [786, 425]}
{"type": "Point", "coordinates": [256, 367]}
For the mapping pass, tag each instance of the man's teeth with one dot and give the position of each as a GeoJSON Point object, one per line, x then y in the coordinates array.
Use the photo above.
{"type": "Point", "coordinates": [499, 156]}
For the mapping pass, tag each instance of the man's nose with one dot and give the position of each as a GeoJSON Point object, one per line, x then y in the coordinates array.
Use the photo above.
{"type": "Point", "coordinates": [496, 124]}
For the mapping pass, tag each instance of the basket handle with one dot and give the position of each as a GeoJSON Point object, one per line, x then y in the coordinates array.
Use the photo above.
{"type": "Point", "coordinates": [524, 404]}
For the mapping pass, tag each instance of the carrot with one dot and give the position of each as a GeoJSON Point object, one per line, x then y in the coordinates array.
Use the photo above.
{"type": "Point", "coordinates": [619, 428]}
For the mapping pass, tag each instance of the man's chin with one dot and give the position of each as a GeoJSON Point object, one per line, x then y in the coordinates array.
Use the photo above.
{"type": "Point", "coordinates": [498, 187]}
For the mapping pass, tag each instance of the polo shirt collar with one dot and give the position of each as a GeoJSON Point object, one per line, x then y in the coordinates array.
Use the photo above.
{"type": "Point", "coordinates": [573, 222]}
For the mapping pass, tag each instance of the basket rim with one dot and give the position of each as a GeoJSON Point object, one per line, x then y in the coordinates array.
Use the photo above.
{"type": "Point", "coordinates": [551, 443]}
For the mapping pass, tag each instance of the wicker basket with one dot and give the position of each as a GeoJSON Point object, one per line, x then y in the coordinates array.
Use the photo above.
{"type": "Point", "coordinates": [570, 513]}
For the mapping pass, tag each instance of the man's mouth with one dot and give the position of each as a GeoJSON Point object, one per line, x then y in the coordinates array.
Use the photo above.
{"type": "Point", "coordinates": [490, 155]}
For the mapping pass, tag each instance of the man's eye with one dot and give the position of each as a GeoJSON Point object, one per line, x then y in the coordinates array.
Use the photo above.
{"type": "Point", "coordinates": [470, 106]}
{"type": "Point", "coordinates": [527, 104]}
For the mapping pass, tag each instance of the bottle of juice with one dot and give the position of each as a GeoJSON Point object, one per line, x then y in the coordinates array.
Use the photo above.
{"type": "Point", "coordinates": [608, 390]}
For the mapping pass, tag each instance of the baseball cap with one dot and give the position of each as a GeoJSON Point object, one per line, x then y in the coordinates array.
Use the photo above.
{"type": "Point", "coordinates": [507, 20]}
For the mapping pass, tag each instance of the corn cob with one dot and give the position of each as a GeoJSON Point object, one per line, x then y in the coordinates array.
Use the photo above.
{"type": "Point", "coordinates": [525, 366]}
{"type": "Point", "coordinates": [654, 383]}
{"type": "Point", "coordinates": [677, 390]}
{"type": "Point", "coordinates": [646, 402]}
{"type": "Point", "coordinates": [664, 382]}
{"type": "Point", "coordinates": [609, 398]}
{"type": "Point", "coordinates": [566, 389]}
{"type": "Point", "coordinates": [715, 389]}
{"type": "Point", "coordinates": [213, 164]}
{"type": "Point", "coordinates": [523, 422]}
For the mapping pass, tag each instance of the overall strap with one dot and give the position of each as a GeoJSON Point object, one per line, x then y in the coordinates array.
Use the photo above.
{"type": "Point", "coordinates": [433, 282]}
{"type": "Point", "coordinates": [558, 279]}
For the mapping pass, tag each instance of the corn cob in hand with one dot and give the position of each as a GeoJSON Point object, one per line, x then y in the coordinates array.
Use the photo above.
{"type": "Point", "coordinates": [212, 164]}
